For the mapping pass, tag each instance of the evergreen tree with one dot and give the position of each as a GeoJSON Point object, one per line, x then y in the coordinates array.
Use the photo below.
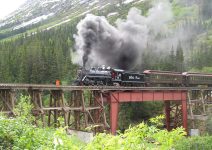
{"type": "Point", "coordinates": [179, 58]}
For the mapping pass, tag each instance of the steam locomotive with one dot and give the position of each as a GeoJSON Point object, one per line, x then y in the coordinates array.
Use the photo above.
{"type": "Point", "coordinates": [118, 77]}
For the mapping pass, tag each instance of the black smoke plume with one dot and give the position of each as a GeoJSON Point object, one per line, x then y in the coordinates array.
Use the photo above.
{"type": "Point", "coordinates": [121, 46]}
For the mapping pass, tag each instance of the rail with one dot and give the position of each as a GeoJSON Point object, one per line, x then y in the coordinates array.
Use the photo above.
{"type": "Point", "coordinates": [103, 88]}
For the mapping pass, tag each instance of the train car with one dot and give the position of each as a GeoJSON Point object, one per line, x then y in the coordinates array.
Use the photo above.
{"type": "Point", "coordinates": [132, 79]}
{"type": "Point", "coordinates": [193, 79]}
{"type": "Point", "coordinates": [163, 78]}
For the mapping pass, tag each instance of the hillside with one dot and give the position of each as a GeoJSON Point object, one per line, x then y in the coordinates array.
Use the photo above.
{"type": "Point", "coordinates": [45, 14]}
{"type": "Point", "coordinates": [35, 41]}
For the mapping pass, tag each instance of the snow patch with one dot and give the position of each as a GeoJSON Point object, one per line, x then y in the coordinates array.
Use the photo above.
{"type": "Point", "coordinates": [33, 21]}
{"type": "Point", "coordinates": [102, 7]}
{"type": "Point", "coordinates": [68, 20]}
{"type": "Point", "coordinates": [50, 1]}
{"type": "Point", "coordinates": [83, 2]}
{"type": "Point", "coordinates": [93, 3]}
{"type": "Point", "coordinates": [128, 1]}
{"type": "Point", "coordinates": [54, 6]}
{"type": "Point", "coordinates": [58, 24]}
{"type": "Point", "coordinates": [136, 2]}
{"type": "Point", "coordinates": [112, 14]}
{"type": "Point", "coordinates": [2, 24]}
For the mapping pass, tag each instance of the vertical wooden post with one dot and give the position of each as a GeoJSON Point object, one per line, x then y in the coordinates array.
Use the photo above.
{"type": "Point", "coordinates": [50, 104]}
{"type": "Point", "coordinates": [12, 97]}
{"type": "Point", "coordinates": [167, 113]}
{"type": "Point", "coordinates": [41, 108]}
{"type": "Point", "coordinates": [77, 100]}
{"type": "Point", "coordinates": [84, 110]}
{"type": "Point", "coordinates": [104, 115]}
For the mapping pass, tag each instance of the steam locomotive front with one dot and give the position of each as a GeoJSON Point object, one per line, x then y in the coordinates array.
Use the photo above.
{"type": "Point", "coordinates": [94, 76]}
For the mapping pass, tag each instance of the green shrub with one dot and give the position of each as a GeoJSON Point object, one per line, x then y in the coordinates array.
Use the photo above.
{"type": "Point", "coordinates": [209, 125]}
{"type": "Point", "coordinates": [196, 143]}
{"type": "Point", "coordinates": [139, 137]}
{"type": "Point", "coordinates": [19, 133]}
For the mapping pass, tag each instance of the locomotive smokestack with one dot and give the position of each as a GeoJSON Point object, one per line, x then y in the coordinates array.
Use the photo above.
{"type": "Point", "coordinates": [87, 51]}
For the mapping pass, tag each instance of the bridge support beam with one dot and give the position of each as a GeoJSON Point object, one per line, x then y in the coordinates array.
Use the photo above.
{"type": "Point", "coordinates": [114, 111]}
{"type": "Point", "coordinates": [139, 96]}
{"type": "Point", "coordinates": [7, 100]}
{"type": "Point", "coordinates": [84, 107]}
{"type": "Point", "coordinates": [167, 114]}
{"type": "Point", "coordinates": [184, 113]}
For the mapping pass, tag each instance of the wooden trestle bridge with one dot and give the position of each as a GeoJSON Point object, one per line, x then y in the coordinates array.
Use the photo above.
{"type": "Point", "coordinates": [85, 106]}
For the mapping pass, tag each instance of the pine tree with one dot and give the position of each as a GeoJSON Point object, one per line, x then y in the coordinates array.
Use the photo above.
{"type": "Point", "coordinates": [179, 58]}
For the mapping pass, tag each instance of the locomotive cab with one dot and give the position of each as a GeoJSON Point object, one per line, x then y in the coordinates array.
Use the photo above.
{"type": "Point", "coordinates": [116, 75]}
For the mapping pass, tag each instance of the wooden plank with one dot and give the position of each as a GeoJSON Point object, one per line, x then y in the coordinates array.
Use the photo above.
{"type": "Point", "coordinates": [8, 105]}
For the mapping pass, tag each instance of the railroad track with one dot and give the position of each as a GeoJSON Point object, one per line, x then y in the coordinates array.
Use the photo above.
{"type": "Point", "coordinates": [103, 88]}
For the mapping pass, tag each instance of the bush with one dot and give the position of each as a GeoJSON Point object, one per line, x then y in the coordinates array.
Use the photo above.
{"type": "Point", "coordinates": [19, 133]}
{"type": "Point", "coordinates": [139, 137]}
{"type": "Point", "coordinates": [197, 143]}
{"type": "Point", "coordinates": [209, 124]}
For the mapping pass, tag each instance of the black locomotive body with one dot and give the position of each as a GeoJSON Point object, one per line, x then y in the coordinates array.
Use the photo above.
{"type": "Point", "coordinates": [94, 76]}
{"type": "Point", "coordinates": [110, 77]}
{"type": "Point", "coordinates": [132, 79]}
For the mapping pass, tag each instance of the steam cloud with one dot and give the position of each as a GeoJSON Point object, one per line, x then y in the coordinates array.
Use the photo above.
{"type": "Point", "coordinates": [98, 42]}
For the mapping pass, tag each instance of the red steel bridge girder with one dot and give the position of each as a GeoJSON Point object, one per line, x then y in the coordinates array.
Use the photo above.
{"type": "Point", "coordinates": [139, 96]}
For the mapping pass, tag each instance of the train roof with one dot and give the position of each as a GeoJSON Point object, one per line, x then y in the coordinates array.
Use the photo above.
{"type": "Point", "coordinates": [119, 70]}
{"type": "Point", "coordinates": [196, 74]}
{"type": "Point", "coordinates": [161, 72]}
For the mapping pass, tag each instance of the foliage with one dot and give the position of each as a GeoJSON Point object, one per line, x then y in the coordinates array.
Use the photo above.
{"type": "Point", "coordinates": [19, 133]}
{"type": "Point", "coordinates": [23, 109]}
{"type": "Point", "coordinates": [194, 143]}
{"type": "Point", "coordinates": [209, 124]}
{"type": "Point", "coordinates": [139, 137]}
{"type": "Point", "coordinates": [157, 121]}
{"type": "Point", "coordinates": [204, 70]}
{"type": "Point", "coordinates": [133, 113]}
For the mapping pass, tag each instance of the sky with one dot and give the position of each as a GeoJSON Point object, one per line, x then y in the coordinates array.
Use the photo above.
{"type": "Point", "coordinates": [8, 6]}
